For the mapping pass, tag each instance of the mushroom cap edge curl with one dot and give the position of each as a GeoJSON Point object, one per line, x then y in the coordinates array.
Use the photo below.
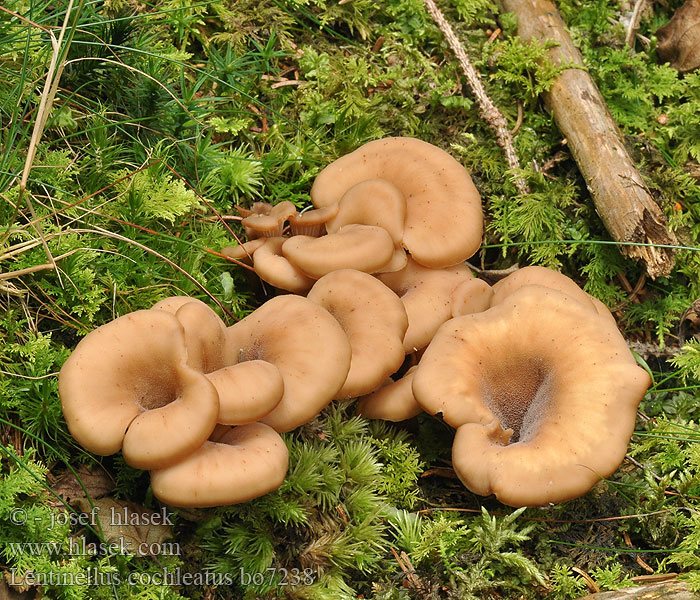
{"type": "Point", "coordinates": [444, 221]}
{"type": "Point", "coordinates": [128, 374]}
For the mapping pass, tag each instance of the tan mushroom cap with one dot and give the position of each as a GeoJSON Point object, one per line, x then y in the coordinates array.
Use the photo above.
{"type": "Point", "coordinates": [444, 222]}
{"type": "Point", "coordinates": [374, 320]}
{"type": "Point", "coordinates": [470, 296]}
{"type": "Point", "coordinates": [128, 383]}
{"type": "Point", "coordinates": [360, 247]}
{"type": "Point", "coordinates": [270, 224]}
{"type": "Point", "coordinates": [245, 463]}
{"type": "Point", "coordinates": [393, 402]}
{"type": "Point", "coordinates": [535, 275]}
{"type": "Point", "coordinates": [312, 222]}
{"type": "Point", "coordinates": [204, 331]}
{"type": "Point", "coordinates": [375, 202]}
{"type": "Point", "coordinates": [427, 297]}
{"type": "Point", "coordinates": [247, 391]}
{"type": "Point", "coordinates": [543, 391]}
{"type": "Point", "coordinates": [271, 266]}
{"type": "Point", "coordinates": [243, 252]}
{"type": "Point", "coordinates": [305, 343]}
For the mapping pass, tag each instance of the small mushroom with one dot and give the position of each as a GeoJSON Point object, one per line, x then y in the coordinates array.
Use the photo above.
{"type": "Point", "coordinates": [274, 268]}
{"type": "Point", "coordinates": [444, 222]}
{"type": "Point", "coordinates": [243, 252]}
{"type": "Point", "coordinates": [305, 343]}
{"type": "Point", "coordinates": [312, 222]}
{"type": "Point", "coordinates": [392, 402]}
{"type": "Point", "coordinates": [542, 390]}
{"type": "Point", "coordinates": [427, 297]}
{"type": "Point", "coordinates": [270, 224]}
{"type": "Point", "coordinates": [239, 464]}
{"type": "Point", "coordinates": [374, 320]}
{"type": "Point", "coordinates": [375, 202]}
{"type": "Point", "coordinates": [128, 385]}
{"type": "Point", "coordinates": [359, 247]}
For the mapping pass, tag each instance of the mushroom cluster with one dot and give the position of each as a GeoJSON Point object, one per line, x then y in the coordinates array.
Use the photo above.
{"type": "Point", "coordinates": [532, 372]}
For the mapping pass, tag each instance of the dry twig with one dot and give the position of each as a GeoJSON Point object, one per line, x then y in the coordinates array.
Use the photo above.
{"type": "Point", "coordinates": [489, 111]}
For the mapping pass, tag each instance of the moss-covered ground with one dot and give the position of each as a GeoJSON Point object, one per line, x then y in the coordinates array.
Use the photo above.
{"type": "Point", "coordinates": [169, 112]}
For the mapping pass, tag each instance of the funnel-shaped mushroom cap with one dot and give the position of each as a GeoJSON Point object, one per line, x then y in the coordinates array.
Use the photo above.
{"type": "Point", "coordinates": [543, 391]}
{"type": "Point", "coordinates": [427, 296]}
{"type": "Point", "coordinates": [393, 402]}
{"type": "Point", "coordinates": [270, 224]}
{"type": "Point", "coordinates": [305, 343]}
{"type": "Point", "coordinates": [244, 463]}
{"type": "Point", "coordinates": [312, 222]}
{"type": "Point", "coordinates": [374, 320]}
{"type": "Point", "coordinates": [132, 373]}
{"type": "Point", "coordinates": [271, 266]}
{"type": "Point", "coordinates": [360, 247]}
{"type": "Point", "coordinates": [375, 202]}
{"type": "Point", "coordinates": [444, 222]}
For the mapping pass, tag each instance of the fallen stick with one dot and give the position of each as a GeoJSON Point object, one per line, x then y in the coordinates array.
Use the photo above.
{"type": "Point", "coordinates": [621, 197]}
{"type": "Point", "coordinates": [674, 590]}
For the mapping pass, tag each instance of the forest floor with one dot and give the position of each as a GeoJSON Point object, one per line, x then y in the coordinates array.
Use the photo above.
{"type": "Point", "coordinates": [166, 114]}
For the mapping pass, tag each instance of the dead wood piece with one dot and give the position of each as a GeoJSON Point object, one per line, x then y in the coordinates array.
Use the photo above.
{"type": "Point", "coordinates": [668, 590]}
{"type": "Point", "coordinates": [621, 198]}
{"type": "Point", "coordinates": [679, 40]}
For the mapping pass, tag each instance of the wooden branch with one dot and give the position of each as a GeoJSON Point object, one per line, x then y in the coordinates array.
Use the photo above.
{"type": "Point", "coordinates": [618, 190]}
{"type": "Point", "coordinates": [673, 590]}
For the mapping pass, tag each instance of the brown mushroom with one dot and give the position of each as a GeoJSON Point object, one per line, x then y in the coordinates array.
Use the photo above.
{"type": "Point", "coordinates": [239, 464]}
{"type": "Point", "coordinates": [374, 320]}
{"type": "Point", "coordinates": [392, 402]}
{"type": "Point", "coordinates": [444, 223]}
{"type": "Point", "coordinates": [269, 224]}
{"type": "Point", "coordinates": [427, 297]}
{"type": "Point", "coordinates": [305, 343]}
{"type": "Point", "coordinates": [360, 247]}
{"type": "Point", "coordinates": [543, 393]}
{"type": "Point", "coordinates": [128, 384]}
{"type": "Point", "coordinates": [375, 202]}
{"type": "Point", "coordinates": [312, 222]}
{"type": "Point", "coordinates": [243, 252]}
{"type": "Point", "coordinates": [274, 268]}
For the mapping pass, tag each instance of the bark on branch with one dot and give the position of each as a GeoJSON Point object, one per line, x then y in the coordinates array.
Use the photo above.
{"type": "Point", "coordinates": [618, 190]}
{"type": "Point", "coordinates": [674, 590]}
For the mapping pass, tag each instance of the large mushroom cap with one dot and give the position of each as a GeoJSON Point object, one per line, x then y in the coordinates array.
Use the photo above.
{"type": "Point", "coordinates": [305, 343]}
{"type": "Point", "coordinates": [132, 374]}
{"type": "Point", "coordinates": [243, 463]}
{"type": "Point", "coordinates": [543, 392]}
{"type": "Point", "coordinates": [374, 320]}
{"type": "Point", "coordinates": [427, 297]}
{"type": "Point", "coordinates": [444, 222]}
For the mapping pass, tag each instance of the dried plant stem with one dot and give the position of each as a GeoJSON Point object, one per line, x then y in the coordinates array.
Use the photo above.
{"type": "Point", "coordinates": [53, 76]}
{"type": "Point", "coordinates": [489, 111]}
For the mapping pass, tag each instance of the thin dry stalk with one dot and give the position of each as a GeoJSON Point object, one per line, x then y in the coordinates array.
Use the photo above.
{"type": "Point", "coordinates": [489, 111]}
